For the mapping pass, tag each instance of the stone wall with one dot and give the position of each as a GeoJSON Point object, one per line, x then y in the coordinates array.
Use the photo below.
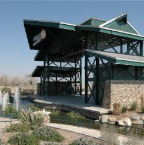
{"type": "Point", "coordinates": [123, 91]}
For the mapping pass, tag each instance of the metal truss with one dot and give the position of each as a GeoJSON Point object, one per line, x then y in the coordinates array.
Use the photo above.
{"type": "Point", "coordinates": [97, 70]}
{"type": "Point", "coordinates": [54, 83]}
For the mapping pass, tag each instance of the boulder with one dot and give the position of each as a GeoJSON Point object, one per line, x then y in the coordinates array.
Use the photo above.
{"type": "Point", "coordinates": [104, 118]}
{"type": "Point", "coordinates": [137, 122]}
{"type": "Point", "coordinates": [124, 122]}
{"type": "Point", "coordinates": [135, 117]}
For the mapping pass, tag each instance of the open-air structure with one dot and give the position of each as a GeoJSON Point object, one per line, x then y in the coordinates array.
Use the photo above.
{"type": "Point", "coordinates": [113, 50]}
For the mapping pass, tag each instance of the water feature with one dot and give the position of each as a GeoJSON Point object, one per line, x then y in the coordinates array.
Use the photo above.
{"type": "Point", "coordinates": [0, 98]}
{"type": "Point", "coordinates": [5, 101]}
{"type": "Point", "coordinates": [16, 103]}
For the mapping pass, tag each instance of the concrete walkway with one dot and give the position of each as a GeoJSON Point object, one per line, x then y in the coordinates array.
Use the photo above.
{"type": "Point", "coordinates": [88, 132]}
{"type": "Point", "coordinates": [70, 100]}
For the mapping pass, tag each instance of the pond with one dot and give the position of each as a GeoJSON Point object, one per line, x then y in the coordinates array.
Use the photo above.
{"type": "Point", "coordinates": [63, 118]}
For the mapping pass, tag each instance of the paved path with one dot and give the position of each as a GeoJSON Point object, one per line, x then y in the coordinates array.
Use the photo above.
{"type": "Point", "coordinates": [85, 131]}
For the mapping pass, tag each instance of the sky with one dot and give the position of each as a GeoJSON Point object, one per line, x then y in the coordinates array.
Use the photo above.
{"type": "Point", "coordinates": [16, 58]}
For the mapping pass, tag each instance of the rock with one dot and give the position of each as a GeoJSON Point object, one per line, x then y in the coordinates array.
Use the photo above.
{"type": "Point", "coordinates": [112, 123]}
{"type": "Point", "coordinates": [112, 119]}
{"type": "Point", "coordinates": [124, 122]}
{"type": "Point", "coordinates": [104, 118]}
{"type": "Point", "coordinates": [135, 117]}
{"type": "Point", "coordinates": [42, 112]}
{"type": "Point", "coordinates": [137, 122]}
{"type": "Point", "coordinates": [142, 117]}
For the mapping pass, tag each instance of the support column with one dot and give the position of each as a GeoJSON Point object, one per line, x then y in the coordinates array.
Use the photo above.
{"type": "Point", "coordinates": [86, 78]}
{"type": "Point", "coordinates": [141, 48]}
{"type": "Point", "coordinates": [81, 76]}
{"type": "Point", "coordinates": [136, 72]}
{"type": "Point", "coordinates": [121, 46]}
{"type": "Point", "coordinates": [97, 81]}
{"type": "Point", "coordinates": [56, 85]}
{"type": "Point", "coordinates": [111, 65]}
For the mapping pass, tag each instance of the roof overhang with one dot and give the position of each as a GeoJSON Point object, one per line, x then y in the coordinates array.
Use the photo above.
{"type": "Point", "coordinates": [118, 58]}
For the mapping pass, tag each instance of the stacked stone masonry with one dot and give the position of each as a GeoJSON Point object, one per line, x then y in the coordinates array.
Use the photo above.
{"type": "Point", "coordinates": [123, 91]}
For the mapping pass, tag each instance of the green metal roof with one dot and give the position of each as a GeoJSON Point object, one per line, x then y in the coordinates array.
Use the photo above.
{"type": "Point", "coordinates": [118, 58]}
{"type": "Point", "coordinates": [93, 22]}
{"type": "Point", "coordinates": [59, 25]}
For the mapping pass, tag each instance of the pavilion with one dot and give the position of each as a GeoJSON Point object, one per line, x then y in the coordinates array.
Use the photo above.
{"type": "Point", "coordinates": [113, 50]}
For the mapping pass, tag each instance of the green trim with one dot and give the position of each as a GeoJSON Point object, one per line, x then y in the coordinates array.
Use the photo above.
{"type": "Point", "coordinates": [112, 32]}
{"type": "Point", "coordinates": [129, 63]}
{"type": "Point", "coordinates": [114, 60]}
{"type": "Point", "coordinates": [49, 24]}
{"type": "Point", "coordinates": [121, 34]}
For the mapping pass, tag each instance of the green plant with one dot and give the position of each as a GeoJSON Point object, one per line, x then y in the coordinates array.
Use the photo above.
{"type": "Point", "coordinates": [74, 115]}
{"type": "Point", "coordinates": [116, 108]}
{"type": "Point", "coordinates": [29, 118]}
{"type": "Point", "coordinates": [19, 127]}
{"type": "Point", "coordinates": [24, 139]}
{"type": "Point", "coordinates": [55, 113]}
{"type": "Point", "coordinates": [124, 109]}
{"type": "Point", "coordinates": [133, 106]}
{"type": "Point", "coordinates": [48, 134]}
{"type": "Point", "coordinates": [83, 141]}
{"type": "Point", "coordinates": [10, 110]}
{"type": "Point", "coordinates": [142, 109]}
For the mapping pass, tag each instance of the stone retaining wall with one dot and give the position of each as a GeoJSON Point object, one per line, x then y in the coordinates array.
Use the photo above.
{"type": "Point", "coordinates": [123, 91]}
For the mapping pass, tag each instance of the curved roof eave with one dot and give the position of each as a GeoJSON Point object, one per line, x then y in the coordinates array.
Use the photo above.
{"type": "Point", "coordinates": [60, 25]}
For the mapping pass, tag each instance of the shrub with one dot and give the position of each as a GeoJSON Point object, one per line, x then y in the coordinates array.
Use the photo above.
{"type": "Point", "coordinates": [142, 100]}
{"type": "Point", "coordinates": [48, 134]}
{"type": "Point", "coordinates": [9, 110]}
{"type": "Point", "coordinates": [83, 141]}
{"type": "Point", "coordinates": [74, 115]}
{"type": "Point", "coordinates": [29, 118]}
{"type": "Point", "coordinates": [133, 106]}
{"type": "Point", "coordinates": [6, 89]}
{"type": "Point", "coordinates": [19, 127]}
{"type": "Point", "coordinates": [24, 139]}
{"type": "Point", "coordinates": [124, 109]}
{"type": "Point", "coordinates": [142, 109]}
{"type": "Point", "coordinates": [55, 112]}
{"type": "Point", "coordinates": [116, 108]}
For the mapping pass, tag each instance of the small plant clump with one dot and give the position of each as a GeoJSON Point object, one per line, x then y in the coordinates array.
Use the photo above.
{"type": "Point", "coordinates": [116, 108]}
{"type": "Point", "coordinates": [133, 106]}
{"type": "Point", "coordinates": [83, 141]}
{"type": "Point", "coordinates": [24, 139]}
{"type": "Point", "coordinates": [74, 115]}
{"type": "Point", "coordinates": [124, 109]}
{"type": "Point", "coordinates": [29, 118]}
{"type": "Point", "coordinates": [19, 127]}
{"type": "Point", "coordinates": [48, 134]}
{"type": "Point", "coordinates": [55, 113]}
